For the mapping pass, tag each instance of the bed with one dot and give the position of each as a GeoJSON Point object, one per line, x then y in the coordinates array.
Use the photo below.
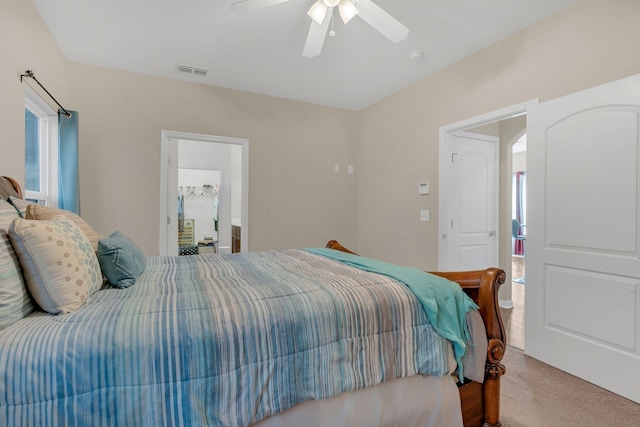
{"type": "Point", "coordinates": [276, 338]}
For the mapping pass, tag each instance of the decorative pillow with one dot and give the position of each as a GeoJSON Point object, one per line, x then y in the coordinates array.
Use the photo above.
{"type": "Point", "coordinates": [15, 301]}
{"type": "Point", "coordinates": [122, 262]}
{"type": "Point", "coordinates": [7, 189]}
{"type": "Point", "coordinates": [45, 212]}
{"type": "Point", "coordinates": [20, 205]}
{"type": "Point", "coordinates": [60, 268]}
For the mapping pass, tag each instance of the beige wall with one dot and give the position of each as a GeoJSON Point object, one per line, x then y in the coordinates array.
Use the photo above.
{"type": "Point", "coordinates": [591, 43]}
{"type": "Point", "coordinates": [25, 43]}
{"type": "Point", "coordinates": [295, 197]}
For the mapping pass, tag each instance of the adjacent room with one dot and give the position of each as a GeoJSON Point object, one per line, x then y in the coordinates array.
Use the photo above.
{"type": "Point", "coordinates": [221, 212]}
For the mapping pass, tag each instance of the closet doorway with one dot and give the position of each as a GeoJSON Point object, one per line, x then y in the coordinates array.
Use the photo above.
{"type": "Point", "coordinates": [194, 162]}
{"type": "Point", "coordinates": [200, 193]}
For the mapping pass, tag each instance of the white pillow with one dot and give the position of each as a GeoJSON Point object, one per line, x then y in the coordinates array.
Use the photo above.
{"type": "Point", "coordinates": [60, 267]}
{"type": "Point", "coordinates": [15, 301]}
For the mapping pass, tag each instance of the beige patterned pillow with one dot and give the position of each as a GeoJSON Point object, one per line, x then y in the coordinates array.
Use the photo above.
{"type": "Point", "coordinates": [45, 212]}
{"type": "Point", "coordinates": [60, 268]}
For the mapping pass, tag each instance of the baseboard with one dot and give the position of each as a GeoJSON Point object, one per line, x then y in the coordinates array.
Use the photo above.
{"type": "Point", "coordinates": [506, 304]}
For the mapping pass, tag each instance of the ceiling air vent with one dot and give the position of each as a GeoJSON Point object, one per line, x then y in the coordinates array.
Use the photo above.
{"type": "Point", "coordinates": [200, 72]}
{"type": "Point", "coordinates": [187, 69]}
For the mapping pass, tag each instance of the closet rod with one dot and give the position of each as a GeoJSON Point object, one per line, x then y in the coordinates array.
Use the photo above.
{"type": "Point", "coordinates": [29, 73]}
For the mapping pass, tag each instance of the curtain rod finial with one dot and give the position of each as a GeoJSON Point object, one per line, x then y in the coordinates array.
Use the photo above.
{"type": "Point", "coordinates": [27, 73]}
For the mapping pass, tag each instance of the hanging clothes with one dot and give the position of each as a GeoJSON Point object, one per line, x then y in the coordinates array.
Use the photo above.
{"type": "Point", "coordinates": [215, 208]}
{"type": "Point", "coordinates": [180, 211]}
{"type": "Point", "coordinates": [520, 177]}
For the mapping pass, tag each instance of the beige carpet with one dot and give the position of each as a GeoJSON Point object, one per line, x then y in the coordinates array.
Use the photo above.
{"type": "Point", "coordinates": [535, 394]}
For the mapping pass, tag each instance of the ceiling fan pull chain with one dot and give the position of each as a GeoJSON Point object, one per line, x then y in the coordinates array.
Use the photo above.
{"type": "Point", "coordinates": [332, 32]}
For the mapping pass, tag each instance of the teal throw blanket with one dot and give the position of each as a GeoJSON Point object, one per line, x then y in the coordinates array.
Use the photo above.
{"type": "Point", "coordinates": [444, 301]}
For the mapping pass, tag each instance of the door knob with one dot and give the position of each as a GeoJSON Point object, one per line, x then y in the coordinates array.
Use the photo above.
{"type": "Point", "coordinates": [492, 233]}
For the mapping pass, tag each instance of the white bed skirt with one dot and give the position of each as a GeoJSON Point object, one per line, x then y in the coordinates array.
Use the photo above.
{"type": "Point", "coordinates": [420, 400]}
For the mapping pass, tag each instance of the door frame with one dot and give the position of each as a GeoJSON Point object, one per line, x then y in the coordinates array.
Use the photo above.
{"type": "Point", "coordinates": [445, 166]}
{"type": "Point", "coordinates": [167, 135]}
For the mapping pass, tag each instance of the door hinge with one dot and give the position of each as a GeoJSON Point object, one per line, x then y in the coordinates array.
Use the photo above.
{"type": "Point", "coordinates": [451, 223]}
{"type": "Point", "coordinates": [444, 236]}
{"type": "Point", "coordinates": [168, 220]}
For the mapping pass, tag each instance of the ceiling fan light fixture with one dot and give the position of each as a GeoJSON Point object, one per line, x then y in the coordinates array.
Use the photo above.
{"type": "Point", "coordinates": [318, 11]}
{"type": "Point", "coordinates": [347, 10]}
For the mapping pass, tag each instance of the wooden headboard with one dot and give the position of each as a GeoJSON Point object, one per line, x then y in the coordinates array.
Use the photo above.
{"type": "Point", "coordinates": [9, 187]}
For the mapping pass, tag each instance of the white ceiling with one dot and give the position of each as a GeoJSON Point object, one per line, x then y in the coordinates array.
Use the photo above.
{"type": "Point", "coordinates": [261, 51]}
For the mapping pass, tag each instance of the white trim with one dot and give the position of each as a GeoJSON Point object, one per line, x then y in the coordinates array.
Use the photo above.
{"type": "Point", "coordinates": [48, 148]}
{"type": "Point", "coordinates": [166, 135]}
{"type": "Point", "coordinates": [444, 132]}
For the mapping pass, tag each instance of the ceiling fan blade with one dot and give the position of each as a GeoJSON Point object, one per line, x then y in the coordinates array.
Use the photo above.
{"type": "Point", "coordinates": [316, 36]}
{"type": "Point", "coordinates": [375, 16]}
{"type": "Point", "coordinates": [251, 5]}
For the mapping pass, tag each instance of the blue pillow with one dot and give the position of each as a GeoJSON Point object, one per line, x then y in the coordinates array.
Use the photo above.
{"type": "Point", "coordinates": [121, 261]}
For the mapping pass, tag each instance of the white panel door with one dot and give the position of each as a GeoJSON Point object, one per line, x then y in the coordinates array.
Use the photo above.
{"type": "Point", "coordinates": [472, 202]}
{"type": "Point", "coordinates": [583, 267]}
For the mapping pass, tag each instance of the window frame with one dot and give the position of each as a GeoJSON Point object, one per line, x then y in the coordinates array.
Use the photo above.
{"type": "Point", "coordinates": [48, 147]}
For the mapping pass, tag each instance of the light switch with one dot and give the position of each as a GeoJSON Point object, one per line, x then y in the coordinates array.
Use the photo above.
{"type": "Point", "coordinates": [423, 188]}
{"type": "Point", "coordinates": [350, 169]}
{"type": "Point", "coordinates": [424, 215]}
{"type": "Point", "coordinates": [337, 168]}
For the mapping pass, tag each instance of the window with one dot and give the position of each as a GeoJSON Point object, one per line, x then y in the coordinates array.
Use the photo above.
{"type": "Point", "coordinates": [41, 151]}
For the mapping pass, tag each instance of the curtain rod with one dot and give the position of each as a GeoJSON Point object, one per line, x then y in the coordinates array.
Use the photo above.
{"type": "Point", "coordinates": [29, 73]}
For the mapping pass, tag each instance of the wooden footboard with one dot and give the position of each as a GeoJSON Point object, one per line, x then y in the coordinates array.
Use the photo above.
{"type": "Point", "coordinates": [480, 402]}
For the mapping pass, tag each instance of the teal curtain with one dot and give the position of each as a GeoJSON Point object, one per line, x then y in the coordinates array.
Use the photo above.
{"type": "Point", "coordinates": [68, 171]}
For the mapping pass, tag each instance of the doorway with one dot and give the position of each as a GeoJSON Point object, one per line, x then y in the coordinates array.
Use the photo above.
{"type": "Point", "coordinates": [516, 323]}
{"type": "Point", "coordinates": [229, 158]}
{"type": "Point", "coordinates": [200, 204]}
{"type": "Point", "coordinates": [508, 125]}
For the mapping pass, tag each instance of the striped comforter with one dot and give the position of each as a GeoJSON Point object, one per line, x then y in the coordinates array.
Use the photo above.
{"type": "Point", "coordinates": [217, 341]}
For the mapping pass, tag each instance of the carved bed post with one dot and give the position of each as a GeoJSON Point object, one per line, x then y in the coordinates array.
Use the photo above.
{"type": "Point", "coordinates": [489, 284]}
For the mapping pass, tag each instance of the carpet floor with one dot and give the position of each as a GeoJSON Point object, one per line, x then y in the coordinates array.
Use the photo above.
{"type": "Point", "coordinates": [535, 394]}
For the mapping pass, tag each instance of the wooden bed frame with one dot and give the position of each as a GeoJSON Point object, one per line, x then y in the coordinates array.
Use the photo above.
{"type": "Point", "coordinates": [480, 402]}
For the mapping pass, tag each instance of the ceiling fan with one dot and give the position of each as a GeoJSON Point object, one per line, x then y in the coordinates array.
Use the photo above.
{"type": "Point", "coordinates": [321, 14]}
